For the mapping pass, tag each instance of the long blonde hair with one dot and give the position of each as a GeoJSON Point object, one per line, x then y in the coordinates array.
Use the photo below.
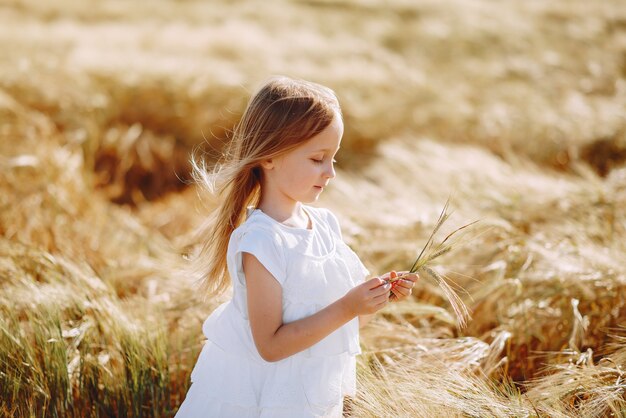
{"type": "Point", "coordinates": [281, 115]}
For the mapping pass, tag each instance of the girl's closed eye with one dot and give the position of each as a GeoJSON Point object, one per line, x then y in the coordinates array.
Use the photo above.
{"type": "Point", "coordinates": [321, 161]}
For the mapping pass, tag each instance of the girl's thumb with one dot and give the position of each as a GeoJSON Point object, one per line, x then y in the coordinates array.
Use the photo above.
{"type": "Point", "coordinates": [375, 282]}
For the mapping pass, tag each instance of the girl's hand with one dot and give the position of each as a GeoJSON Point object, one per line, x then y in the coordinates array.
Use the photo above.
{"type": "Point", "coordinates": [367, 297]}
{"type": "Point", "coordinates": [402, 283]}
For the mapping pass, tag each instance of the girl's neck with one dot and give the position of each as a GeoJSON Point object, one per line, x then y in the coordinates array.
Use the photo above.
{"type": "Point", "coordinates": [292, 216]}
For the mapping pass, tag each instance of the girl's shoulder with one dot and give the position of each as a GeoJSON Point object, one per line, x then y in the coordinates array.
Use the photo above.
{"type": "Point", "coordinates": [255, 221]}
{"type": "Point", "coordinates": [255, 231]}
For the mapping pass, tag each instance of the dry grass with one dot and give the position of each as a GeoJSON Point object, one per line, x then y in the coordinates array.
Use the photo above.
{"type": "Point", "coordinates": [515, 107]}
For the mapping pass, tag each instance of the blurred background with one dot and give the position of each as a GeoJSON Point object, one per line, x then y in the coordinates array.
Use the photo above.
{"type": "Point", "coordinates": [514, 109]}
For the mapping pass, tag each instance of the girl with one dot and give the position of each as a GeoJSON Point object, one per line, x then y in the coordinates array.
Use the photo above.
{"type": "Point", "coordinates": [285, 344]}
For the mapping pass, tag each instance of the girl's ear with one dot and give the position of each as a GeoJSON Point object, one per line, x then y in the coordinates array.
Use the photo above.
{"type": "Point", "coordinates": [267, 164]}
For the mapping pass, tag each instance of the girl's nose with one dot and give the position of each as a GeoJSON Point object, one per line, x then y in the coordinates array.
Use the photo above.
{"type": "Point", "coordinates": [330, 170]}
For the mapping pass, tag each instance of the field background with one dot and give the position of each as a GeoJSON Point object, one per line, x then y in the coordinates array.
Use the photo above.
{"type": "Point", "coordinates": [516, 109]}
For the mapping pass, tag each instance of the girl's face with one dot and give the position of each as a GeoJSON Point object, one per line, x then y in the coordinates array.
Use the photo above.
{"type": "Point", "coordinates": [301, 174]}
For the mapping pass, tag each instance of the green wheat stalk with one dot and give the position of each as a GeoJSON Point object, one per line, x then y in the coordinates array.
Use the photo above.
{"type": "Point", "coordinates": [430, 252]}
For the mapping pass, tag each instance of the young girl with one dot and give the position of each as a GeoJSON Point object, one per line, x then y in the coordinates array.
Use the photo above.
{"type": "Point", "coordinates": [285, 344]}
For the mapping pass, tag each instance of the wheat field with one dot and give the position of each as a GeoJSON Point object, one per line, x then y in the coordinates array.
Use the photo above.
{"type": "Point", "coordinates": [516, 110]}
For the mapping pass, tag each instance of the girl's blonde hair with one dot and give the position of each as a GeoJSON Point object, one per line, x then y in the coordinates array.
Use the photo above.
{"type": "Point", "coordinates": [281, 115]}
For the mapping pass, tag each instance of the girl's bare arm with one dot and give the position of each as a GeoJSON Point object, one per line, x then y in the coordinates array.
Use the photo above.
{"type": "Point", "coordinates": [274, 339]}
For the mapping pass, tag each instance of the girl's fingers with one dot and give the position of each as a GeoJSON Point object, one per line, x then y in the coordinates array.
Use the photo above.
{"type": "Point", "coordinates": [375, 283]}
{"type": "Point", "coordinates": [383, 297]}
{"type": "Point", "coordinates": [401, 289]}
{"type": "Point", "coordinates": [411, 277]}
{"type": "Point", "coordinates": [381, 290]}
{"type": "Point", "coordinates": [405, 275]}
{"type": "Point", "coordinates": [377, 299]}
{"type": "Point", "coordinates": [399, 293]}
{"type": "Point", "coordinates": [405, 284]}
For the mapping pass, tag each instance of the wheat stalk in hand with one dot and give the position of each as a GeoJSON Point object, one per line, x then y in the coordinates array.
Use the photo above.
{"type": "Point", "coordinates": [430, 252]}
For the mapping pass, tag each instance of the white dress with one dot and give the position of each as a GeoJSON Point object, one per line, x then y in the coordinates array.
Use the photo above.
{"type": "Point", "coordinates": [315, 268]}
